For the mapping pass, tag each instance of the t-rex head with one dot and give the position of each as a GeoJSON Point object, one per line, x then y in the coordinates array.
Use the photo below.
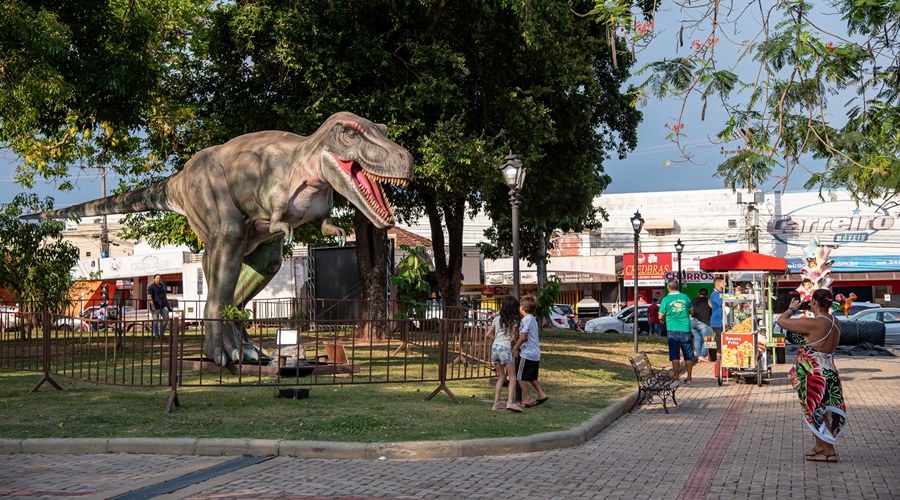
{"type": "Point", "coordinates": [357, 157]}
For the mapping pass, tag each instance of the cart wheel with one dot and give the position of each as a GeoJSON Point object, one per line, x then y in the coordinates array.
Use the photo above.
{"type": "Point", "coordinates": [759, 370]}
{"type": "Point", "coordinates": [718, 372]}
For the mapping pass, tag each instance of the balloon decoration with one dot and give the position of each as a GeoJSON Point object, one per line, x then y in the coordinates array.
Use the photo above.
{"type": "Point", "coordinates": [817, 271]}
{"type": "Point", "coordinates": [842, 303]}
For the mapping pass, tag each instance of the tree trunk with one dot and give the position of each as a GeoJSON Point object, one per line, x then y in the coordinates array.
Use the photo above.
{"type": "Point", "coordinates": [372, 261]}
{"type": "Point", "coordinates": [543, 241]}
{"type": "Point", "coordinates": [448, 265]}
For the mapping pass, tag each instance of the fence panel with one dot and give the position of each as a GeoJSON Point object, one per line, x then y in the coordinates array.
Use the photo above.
{"type": "Point", "coordinates": [296, 343]}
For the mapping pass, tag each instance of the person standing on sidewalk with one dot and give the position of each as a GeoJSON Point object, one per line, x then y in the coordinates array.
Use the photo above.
{"type": "Point", "coordinates": [716, 318]}
{"type": "Point", "coordinates": [159, 305]}
{"type": "Point", "coordinates": [675, 310]}
{"type": "Point", "coordinates": [503, 330]}
{"type": "Point", "coordinates": [703, 314]}
{"type": "Point", "coordinates": [814, 376]}
{"type": "Point", "coordinates": [653, 317]}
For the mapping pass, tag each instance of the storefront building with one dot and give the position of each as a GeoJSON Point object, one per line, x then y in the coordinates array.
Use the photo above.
{"type": "Point", "coordinates": [865, 241]}
{"type": "Point", "coordinates": [864, 238]}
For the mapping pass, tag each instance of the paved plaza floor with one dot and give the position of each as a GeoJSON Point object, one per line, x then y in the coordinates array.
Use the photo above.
{"type": "Point", "coordinates": [732, 441]}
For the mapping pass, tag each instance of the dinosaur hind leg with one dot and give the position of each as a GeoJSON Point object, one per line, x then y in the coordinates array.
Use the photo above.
{"type": "Point", "coordinates": [222, 266]}
{"type": "Point", "coordinates": [257, 270]}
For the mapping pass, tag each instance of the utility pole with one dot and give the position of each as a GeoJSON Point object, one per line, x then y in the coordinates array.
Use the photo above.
{"type": "Point", "coordinates": [104, 226]}
{"type": "Point", "coordinates": [753, 227]}
{"type": "Point", "coordinates": [752, 220]}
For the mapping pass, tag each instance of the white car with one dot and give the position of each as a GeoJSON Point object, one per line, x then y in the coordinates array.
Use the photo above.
{"type": "Point", "coordinates": [9, 317]}
{"type": "Point", "coordinates": [68, 324]}
{"type": "Point", "coordinates": [558, 318]}
{"type": "Point", "coordinates": [620, 323]}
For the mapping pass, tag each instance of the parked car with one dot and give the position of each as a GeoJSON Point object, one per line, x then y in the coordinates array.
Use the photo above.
{"type": "Point", "coordinates": [855, 310]}
{"type": "Point", "coordinates": [69, 324]}
{"type": "Point", "coordinates": [9, 318]}
{"type": "Point", "coordinates": [890, 316]}
{"type": "Point", "coordinates": [858, 307]}
{"type": "Point", "coordinates": [620, 323]}
{"type": "Point", "coordinates": [569, 311]}
{"type": "Point", "coordinates": [130, 317]}
{"type": "Point", "coordinates": [558, 318]}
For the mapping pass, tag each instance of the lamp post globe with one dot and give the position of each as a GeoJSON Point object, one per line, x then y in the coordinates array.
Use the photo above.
{"type": "Point", "coordinates": [679, 247]}
{"type": "Point", "coordinates": [513, 172]}
{"type": "Point", "coordinates": [637, 223]}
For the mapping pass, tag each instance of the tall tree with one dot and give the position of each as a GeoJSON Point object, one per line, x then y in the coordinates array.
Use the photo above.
{"type": "Point", "coordinates": [36, 261]}
{"type": "Point", "coordinates": [588, 115]}
{"type": "Point", "coordinates": [83, 84]}
{"type": "Point", "coordinates": [457, 83]}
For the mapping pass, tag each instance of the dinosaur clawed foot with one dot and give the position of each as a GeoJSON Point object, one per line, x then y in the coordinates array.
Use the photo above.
{"type": "Point", "coordinates": [232, 345]}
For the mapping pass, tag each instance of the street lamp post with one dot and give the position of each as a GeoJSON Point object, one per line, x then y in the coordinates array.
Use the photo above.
{"type": "Point", "coordinates": [637, 223]}
{"type": "Point", "coordinates": [679, 247]}
{"type": "Point", "coordinates": [514, 176]}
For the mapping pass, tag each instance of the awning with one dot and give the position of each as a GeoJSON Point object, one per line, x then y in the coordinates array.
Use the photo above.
{"type": "Point", "coordinates": [743, 261]}
{"type": "Point", "coordinates": [659, 224]}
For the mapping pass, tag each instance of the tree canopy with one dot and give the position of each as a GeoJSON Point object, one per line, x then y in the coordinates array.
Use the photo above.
{"type": "Point", "coordinates": [458, 83]}
{"type": "Point", "coordinates": [806, 94]}
{"type": "Point", "coordinates": [36, 262]}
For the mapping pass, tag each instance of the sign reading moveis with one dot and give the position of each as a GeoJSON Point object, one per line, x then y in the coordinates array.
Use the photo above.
{"type": "Point", "coordinates": [836, 223]}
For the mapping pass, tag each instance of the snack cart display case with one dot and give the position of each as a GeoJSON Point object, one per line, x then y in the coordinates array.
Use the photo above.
{"type": "Point", "coordinates": [742, 348]}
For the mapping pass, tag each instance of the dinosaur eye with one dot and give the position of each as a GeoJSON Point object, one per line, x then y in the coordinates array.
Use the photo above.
{"type": "Point", "coordinates": [349, 136]}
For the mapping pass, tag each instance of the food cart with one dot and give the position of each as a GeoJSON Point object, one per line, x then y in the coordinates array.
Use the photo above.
{"type": "Point", "coordinates": [742, 350]}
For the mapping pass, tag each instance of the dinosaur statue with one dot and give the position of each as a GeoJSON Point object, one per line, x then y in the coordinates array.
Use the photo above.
{"type": "Point", "coordinates": [244, 197]}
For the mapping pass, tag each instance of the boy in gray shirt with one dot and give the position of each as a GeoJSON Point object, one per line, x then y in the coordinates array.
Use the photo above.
{"type": "Point", "coordinates": [528, 353]}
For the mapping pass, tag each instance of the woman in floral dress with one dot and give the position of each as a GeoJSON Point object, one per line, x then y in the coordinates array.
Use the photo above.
{"type": "Point", "coordinates": [814, 375]}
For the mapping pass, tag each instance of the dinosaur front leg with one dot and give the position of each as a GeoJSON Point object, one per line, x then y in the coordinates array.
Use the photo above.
{"type": "Point", "coordinates": [329, 229]}
{"type": "Point", "coordinates": [277, 225]}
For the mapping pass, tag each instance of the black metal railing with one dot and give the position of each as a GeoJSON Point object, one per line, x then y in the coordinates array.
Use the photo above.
{"type": "Point", "coordinates": [286, 343]}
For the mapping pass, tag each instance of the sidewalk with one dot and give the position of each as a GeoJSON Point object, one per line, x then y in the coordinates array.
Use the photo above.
{"type": "Point", "coordinates": [733, 441]}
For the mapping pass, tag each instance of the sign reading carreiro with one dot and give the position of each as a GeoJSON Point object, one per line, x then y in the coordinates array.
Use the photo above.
{"type": "Point", "coordinates": [836, 223]}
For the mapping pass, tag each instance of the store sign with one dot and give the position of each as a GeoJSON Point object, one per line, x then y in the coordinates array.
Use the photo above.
{"type": "Point", "coordinates": [835, 223]}
{"type": "Point", "coordinates": [652, 268]}
{"type": "Point", "coordinates": [690, 277]}
{"type": "Point", "coordinates": [853, 264]}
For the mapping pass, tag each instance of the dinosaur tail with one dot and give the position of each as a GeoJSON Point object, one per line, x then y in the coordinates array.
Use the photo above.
{"type": "Point", "coordinates": [153, 197]}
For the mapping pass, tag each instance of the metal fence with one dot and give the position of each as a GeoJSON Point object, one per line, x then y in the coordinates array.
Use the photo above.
{"type": "Point", "coordinates": [308, 343]}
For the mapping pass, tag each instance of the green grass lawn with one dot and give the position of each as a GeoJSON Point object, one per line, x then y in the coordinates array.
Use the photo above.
{"type": "Point", "coordinates": [582, 373]}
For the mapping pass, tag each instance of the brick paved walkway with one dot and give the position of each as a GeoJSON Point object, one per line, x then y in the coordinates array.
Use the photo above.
{"type": "Point", "coordinates": [733, 441]}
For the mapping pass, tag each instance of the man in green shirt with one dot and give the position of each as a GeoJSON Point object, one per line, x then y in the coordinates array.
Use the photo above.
{"type": "Point", "coordinates": [675, 309]}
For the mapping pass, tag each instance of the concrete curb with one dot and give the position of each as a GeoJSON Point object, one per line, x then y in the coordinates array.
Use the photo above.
{"type": "Point", "coordinates": [414, 450]}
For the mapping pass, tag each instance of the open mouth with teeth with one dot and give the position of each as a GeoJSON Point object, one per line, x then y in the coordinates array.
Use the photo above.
{"type": "Point", "coordinates": [369, 186]}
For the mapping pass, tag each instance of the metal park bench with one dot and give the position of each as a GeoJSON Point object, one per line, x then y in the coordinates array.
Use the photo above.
{"type": "Point", "coordinates": [652, 382]}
